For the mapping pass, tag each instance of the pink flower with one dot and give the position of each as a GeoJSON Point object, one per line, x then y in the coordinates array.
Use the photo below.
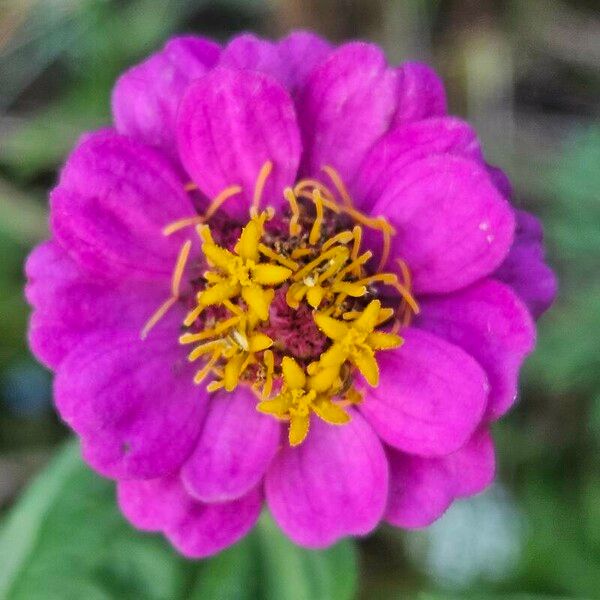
{"type": "Point", "coordinates": [284, 275]}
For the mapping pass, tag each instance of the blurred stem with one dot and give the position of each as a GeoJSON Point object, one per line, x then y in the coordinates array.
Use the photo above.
{"type": "Point", "coordinates": [21, 217]}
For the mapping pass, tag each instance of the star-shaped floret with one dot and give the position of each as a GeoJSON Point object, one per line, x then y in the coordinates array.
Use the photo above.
{"type": "Point", "coordinates": [298, 399]}
{"type": "Point", "coordinates": [355, 341]}
{"type": "Point", "coordinates": [241, 272]}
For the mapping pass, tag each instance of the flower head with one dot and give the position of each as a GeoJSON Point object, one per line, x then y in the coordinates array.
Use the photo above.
{"type": "Point", "coordinates": [331, 288]}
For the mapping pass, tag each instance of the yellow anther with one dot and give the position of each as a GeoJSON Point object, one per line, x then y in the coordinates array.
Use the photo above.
{"type": "Point", "coordinates": [269, 362]}
{"type": "Point", "coordinates": [190, 186]}
{"type": "Point", "coordinates": [259, 186]}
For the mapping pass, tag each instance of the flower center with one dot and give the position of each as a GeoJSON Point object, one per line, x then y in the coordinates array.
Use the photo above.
{"type": "Point", "coordinates": [291, 308]}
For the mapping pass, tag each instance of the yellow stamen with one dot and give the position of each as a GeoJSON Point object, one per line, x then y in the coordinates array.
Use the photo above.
{"type": "Point", "coordinates": [157, 316]}
{"type": "Point", "coordinates": [213, 386]}
{"type": "Point", "coordinates": [406, 277]}
{"type": "Point", "coordinates": [317, 261]}
{"type": "Point", "coordinates": [205, 348]}
{"type": "Point", "coordinates": [338, 183]}
{"type": "Point", "coordinates": [205, 370]}
{"type": "Point", "coordinates": [269, 361]}
{"type": "Point", "coordinates": [289, 195]}
{"type": "Point", "coordinates": [315, 232]}
{"type": "Point", "coordinates": [193, 315]}
{"type": "Point", "coordinates": [259, 186]}
{"type": "Point", "coordinates": [286, 262]}
{"type": "Point", "coordinates": [182, 223]}
{"type": "Point", "coordinates": [343, 237]}
{"type": "Point", "coordinates": [315, 184]}
{"type": "Point", "coordinates": [198, 219]}
{"type": "Point", "coordinates": [221, 197]}
{"type": "Point", "coordinates": [385, 252]}
{"type": "Point", "coordinates": [180, 267]}
{"type": "Point", "coordinates": [190, 338]}
{"type": "Point", "coordinates": [301, 252]}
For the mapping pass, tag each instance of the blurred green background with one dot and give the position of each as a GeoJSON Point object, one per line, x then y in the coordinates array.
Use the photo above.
{"type": "Point", "coordinates": [527, 75]}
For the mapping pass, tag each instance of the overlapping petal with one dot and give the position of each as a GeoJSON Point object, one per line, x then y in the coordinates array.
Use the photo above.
{"type": "Point", "coordinates": [453, 226]}
{"type": "Point", "coordinates": [525, 269]}
{"type": "Point", "coordinates": [235, 448]}
{"type": "Point", "coordinates": [421, 489]}
{"type": "Point", "coordinates": [431, 396]}
{"type": "Point", "coordinates": [196, 529]}
{"type": "Point", "coordinates": [421, 93]}
{"type": "Point", "coordinates": [346, 104]}
{"type": "Point", "coordinates": [333, 484]}
{"type": "Point", "coordinates": [70, 303]}
{"type": "Point", "coordinates": [406, 143]}
{"type": "Point", "coordinates": [146, 97]}
{"type": "Point", "coordinates": [132, 402]}
{"type": "Point", "coordinates": [230, 123]}
{"type": "Point", "coordinates": [490, 322]}
{"type": "Point", "coordinates": [112, 201]}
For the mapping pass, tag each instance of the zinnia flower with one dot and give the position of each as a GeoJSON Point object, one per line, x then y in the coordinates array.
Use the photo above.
{"type": "Point", "coordinates": [285, 276]}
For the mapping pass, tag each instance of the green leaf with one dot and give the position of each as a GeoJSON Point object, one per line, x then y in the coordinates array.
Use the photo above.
{"type": "Point", "coordinates": [65, 538]}
{"type": "Point", "coordinates": [293, 573]}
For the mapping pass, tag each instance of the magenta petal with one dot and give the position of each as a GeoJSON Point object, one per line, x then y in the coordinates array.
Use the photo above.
{"type": "Point", "coordinates": [249, 52]}
{"type": "Point", "coordinates": [501, 181]}
{"type": "Point", "coordinates": [453, 226]}
{"type": "Point", "coordinates": [525, 269]}
{"type": "Point", "coordinates": [113, 199]}
{"type": "Point", "coordinates": [146, 97]}
{"type": "Point", "coordinates": [133, 402]}
{"type": "Point", "coordinates": [421, 489]}
{"type": "Point", "coordinates": [234, 450]}
{"type": "Point", "coordinates": [196, 529]}
{"type": "Point", "coordinates": [431, 395]}
{"type": "Point", "coordinates": [473, 467]}
{"type": "Point", "coordinates": [406, 143]}
{"type": "Point", "coordinates": [152, 504]}
{"type": "Point", "coordinates": [301, 52]}
{"type": "Point", "coordinates": [290, 61]}
{"type": "Point", "coordinates": [333, 484]}
{"type": "Point", "coordinates": [421, 93]}
{"type": "Point", "coordinates": [230, 123]}
{"type": "Point", "coordinates": [205, 529]}
{"type": "Point", "coordinates": [345, 105]}
{"type": "Point", "coordinates": [70, 303]}
{"type": "Point", "coordinates": [490, 322]}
